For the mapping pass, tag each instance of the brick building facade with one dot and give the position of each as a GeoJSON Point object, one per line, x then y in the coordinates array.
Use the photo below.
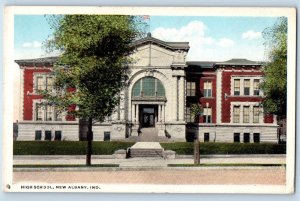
{"type": "Point", "coordinates": [162, 88]}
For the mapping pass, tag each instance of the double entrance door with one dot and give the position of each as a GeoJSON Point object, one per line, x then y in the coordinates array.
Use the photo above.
{"type": "Point", "coordinates": [148, 115]}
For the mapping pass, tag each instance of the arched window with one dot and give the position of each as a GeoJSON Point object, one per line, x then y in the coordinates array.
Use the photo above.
{"type": "Point", "coordinates": [148, 87]}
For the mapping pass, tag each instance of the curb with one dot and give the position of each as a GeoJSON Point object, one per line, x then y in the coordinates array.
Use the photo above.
{"type": "Point", "coordinates": [91, 169]}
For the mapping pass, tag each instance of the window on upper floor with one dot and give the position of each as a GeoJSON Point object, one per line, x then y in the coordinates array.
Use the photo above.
{"type": "Point", "coordinates": [46, 112]}
{"type": "Point", "coordinates": [236, 114]}
{"type": "Point", "coordinates": [191, 88]}
{"type": "Point", "coordinates": [256, 89]}
{"type": "Point", "coordinates": [38, 112]}
{"type": "Point", "coordinates": [207, 89]}
{"type": "Point", "coordinates": [43, 82]}
{"type": "Point", "coordinates": [247, 87]}
{"type": "Point", "coordinates": [148, 87]}
{"type": "Point", "coordinates": [246, 114]}
{"type": "Point", "coordinates": [237, 87]}
{"type": "Point", "coordinates": [207, 115]}
{"type": "Point", "coordinates": [256, 114]}
{"type": "Point", "coordinates": [189, 117]}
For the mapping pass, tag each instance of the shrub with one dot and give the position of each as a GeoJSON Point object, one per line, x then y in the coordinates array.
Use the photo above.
{"type": "Point", "coordinates": [187, 148]}
{"type": "Point", "coordinates": [66, 147]}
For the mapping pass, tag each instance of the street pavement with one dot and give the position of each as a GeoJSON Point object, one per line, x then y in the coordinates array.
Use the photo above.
{"type": "Point", "coordinates": [152, 170]}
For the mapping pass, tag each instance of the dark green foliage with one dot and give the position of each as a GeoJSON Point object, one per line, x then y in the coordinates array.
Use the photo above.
{"type": "Point", "coordinates": [275, 82]}
{"type": "Point", "coordinates": [105, 148]}
{"type": "Point", "coordinates": [187, 148]}
{"type": "Point", "coordinates": [66, 147]}
{"type": "Point", "coordinates": [94, 61]}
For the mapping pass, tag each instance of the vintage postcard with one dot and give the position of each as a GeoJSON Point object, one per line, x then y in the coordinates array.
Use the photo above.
{"type": "Point", "coordinates": [149, 99]}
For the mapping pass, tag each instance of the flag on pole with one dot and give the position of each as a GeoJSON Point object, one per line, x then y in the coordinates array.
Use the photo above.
{"type": "Point", "coordinates": [146, 17]}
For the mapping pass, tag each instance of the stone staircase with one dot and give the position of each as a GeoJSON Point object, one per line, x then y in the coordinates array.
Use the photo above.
{"type": "Point", "coordinates": [146, 149]}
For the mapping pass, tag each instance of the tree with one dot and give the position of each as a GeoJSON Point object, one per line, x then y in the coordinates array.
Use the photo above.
{"type": "Point", "coordinates": [196, 111]}
{"type": "Point", "coordinates": [93, 66]}
{"type": "Point", "coordinates": [275, 70]}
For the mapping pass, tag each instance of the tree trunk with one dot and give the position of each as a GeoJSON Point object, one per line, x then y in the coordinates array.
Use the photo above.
{"type": "Point", "coordinates": [89, 142]}
{"type": "Point", "coordinates": [196, 150]}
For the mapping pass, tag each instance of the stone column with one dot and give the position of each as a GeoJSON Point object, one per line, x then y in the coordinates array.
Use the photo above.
{"type": "Point", "coordinates": [134, 113]}
{"type": "Point", "coordinates": [137, 113]}
{"type": "Point", "coordinates": [181, 98]}
{"type": "Point", "coordinates": [159, 113]}
{"type": "Point", "coordinates": [163, 113]}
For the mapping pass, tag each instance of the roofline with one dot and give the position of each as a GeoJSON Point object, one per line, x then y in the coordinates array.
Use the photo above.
{"type": "Point", "coordinates": [169, 45]}
{"type": "Point", "coordinates": [43, 61]}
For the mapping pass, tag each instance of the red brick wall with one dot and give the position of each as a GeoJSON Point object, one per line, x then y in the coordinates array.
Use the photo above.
{"type": "Point", "coordinates": [210, 100]}
{"type": "Point", "coordinates": [226, 88]}
{"type": "Point", "coordinates": [28, 88]}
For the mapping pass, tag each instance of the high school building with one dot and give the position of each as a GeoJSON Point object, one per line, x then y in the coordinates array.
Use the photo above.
{"type": "Point", "coordinates": [162, 88]}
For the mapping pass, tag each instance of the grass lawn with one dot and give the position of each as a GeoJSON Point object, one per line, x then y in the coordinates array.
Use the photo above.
{"type": "Point", "coordinates": [226, 165]}
{"type": "Point", "coordinates": [63, 166]}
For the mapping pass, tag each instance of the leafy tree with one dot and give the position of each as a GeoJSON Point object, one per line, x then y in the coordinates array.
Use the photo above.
{"type": "Point", "coordinates": [275, 82]}
{"type": "Point", "coordinates": [93, 66]}
{"type": "Point", "coordinates": [196, 111]}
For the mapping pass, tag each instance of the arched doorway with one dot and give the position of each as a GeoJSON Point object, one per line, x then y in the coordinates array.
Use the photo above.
{"type": "Point", "coordinates": [148, 101]}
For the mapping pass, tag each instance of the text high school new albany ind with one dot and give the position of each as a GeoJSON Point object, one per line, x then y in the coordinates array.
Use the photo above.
{"type": "Point", "coordinates": [162, 88]}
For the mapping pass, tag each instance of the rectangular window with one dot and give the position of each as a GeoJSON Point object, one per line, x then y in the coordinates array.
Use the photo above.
{"type": "Point", "coordinates": [237, 87]}
{"type": "Point", "coordinates": [246, 137]}
{"type": "Point", "coordinates": [38, 112]}
{"type": "Point", "coordinates": [236, 114]}
{"type": "Point", "coordinates": [48, 135]}
{"type": "Point", "coordinates": [206, 137]}
{"type": "Point", "coordinates": [106, 136]}
{"type": "Point", "coordinates": [256, 87]}
{"type": "Point", "coordinates": [188, 115]}
{"type": "Point", "coordinates": [207, 89]}
{"type": "Point", "coordinates": [38, 135]}
{"type": "Point", "coordinates": [255, 114]}
{"type": "Point", "coordinates": [207, 115]}
{"type": "Point", "coordinates": [40, 83]}
{"type": "Point", "coordinates": [191, 88]}
{"type": "Point", "coordinates": [236, 137]}
{"type": "Point", "coordinates": [256, 137]}
{"type": "Point", "coordinates": [57, 135]}
{"type": "Point", "coordinates": [58, 115]}
{"type": "Point", "coordinates": [49, 83]}
{"type": "Point", "coordinates": [246, 114]}
{"type": "Point", "coordinates": [49, 113]}
{"type": "Point", "coordinates": [246, 87]}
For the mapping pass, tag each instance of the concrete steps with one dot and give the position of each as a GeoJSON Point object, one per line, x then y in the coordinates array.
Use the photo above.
{"type": "Point", "coordinates": [146, 149]}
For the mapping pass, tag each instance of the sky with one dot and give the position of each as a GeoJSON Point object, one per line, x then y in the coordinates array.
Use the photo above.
{"type": "Point", "coordinates": [210, 38]}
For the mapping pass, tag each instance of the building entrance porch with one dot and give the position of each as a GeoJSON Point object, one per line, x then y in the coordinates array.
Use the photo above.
{"type": "Point", "coordinates": [148, 115]}
{"type": "Point", "coordinates": [148, 119]}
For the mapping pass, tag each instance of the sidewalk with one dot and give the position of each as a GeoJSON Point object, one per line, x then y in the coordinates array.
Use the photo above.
{"type": "Point", "coordinates": [147, 162]}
